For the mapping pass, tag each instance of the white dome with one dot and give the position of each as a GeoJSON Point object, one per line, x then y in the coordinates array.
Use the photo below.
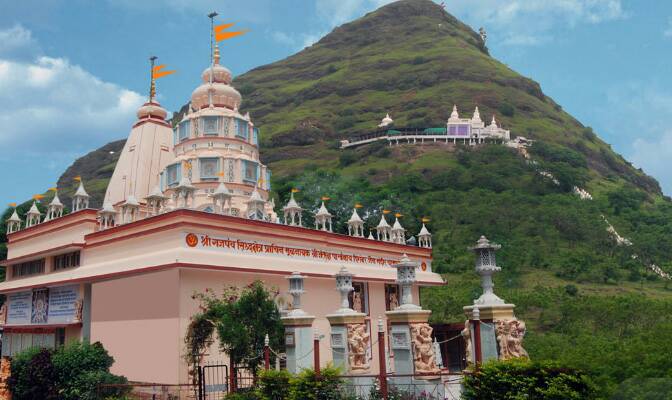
{"type": "Point", "coordinates": [152, 109]}
{"type": "Point", "coordinates": [222, 95]}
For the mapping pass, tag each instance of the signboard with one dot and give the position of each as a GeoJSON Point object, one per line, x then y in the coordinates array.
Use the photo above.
{"type": "Point", "coordinates": [57, 305]}
{"type": "Point", "coordinates": [237, 246]}
{"type": "Point", "coordinates": [63, 304]}
{"type": "Point", "coordinates": [400, 340]}
{"type": "Point", "coordinates": [19, 306]}
{"type": "Point", "coordinates": [337, 340]}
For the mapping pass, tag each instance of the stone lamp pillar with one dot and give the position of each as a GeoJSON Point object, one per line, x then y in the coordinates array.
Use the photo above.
{"type": "Point", "coordinates": [501, 332]}
{"type": "Point", "coordinates": [411, 336]}
{"type": "Point", "coordinates": [298, 329]}
{"type": "Point", "coordinates": [350, 338]}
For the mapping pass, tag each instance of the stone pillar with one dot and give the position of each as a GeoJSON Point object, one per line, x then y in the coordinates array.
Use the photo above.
{"type": "Point", "coordinates": [411, 338]}
{"type": "Point", "coordinates": [298, 329]}
{"type": "Point", "coordinates": [350, 339]}
{"type": "Point", "coordinates": [501, 332]}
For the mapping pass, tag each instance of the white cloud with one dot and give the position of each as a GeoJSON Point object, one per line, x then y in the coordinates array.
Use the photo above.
{"type": "Point", "coordinates": [17, 42]}
{"type": "Point", "coordinates": [530, 22]}
{"type": "Point", "coordinates": [48, 105]}
{"type": "Point", "coordinates": [668, 31]}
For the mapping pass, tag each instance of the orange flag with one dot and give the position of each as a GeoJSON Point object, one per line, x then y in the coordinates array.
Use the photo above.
{"type": "Point", "coordinates": [220, 33]}
{"type": "Point", "coordinates": [157, 73]}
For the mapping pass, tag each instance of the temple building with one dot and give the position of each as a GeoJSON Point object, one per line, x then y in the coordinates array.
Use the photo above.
{"type": "Point", "coordinates": [468, 131]}
{"type": "Point", "coordinates": [187, 209]}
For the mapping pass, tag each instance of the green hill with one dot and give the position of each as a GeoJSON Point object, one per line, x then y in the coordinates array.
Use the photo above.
{"type": "Point", "coordinates": [588, 300]}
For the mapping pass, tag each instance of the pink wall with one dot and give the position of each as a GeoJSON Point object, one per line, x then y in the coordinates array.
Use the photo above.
{"type": "Point", "coordinates": [136, 319]}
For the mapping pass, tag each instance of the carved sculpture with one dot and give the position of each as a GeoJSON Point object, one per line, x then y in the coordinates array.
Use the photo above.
{"type": "Point", "coordinates": [358, 343]}
{"type": "Point", "coordinates": [78, 310]}
{"type": "Point", "coordinates": [423, 348]}
{"type": "Point", "coordinates": [466, 334]}
{"type": "Point", "coordinates": [3, 314]}
{"type": "Point", "coordinates": [357, 302]}
{"type": "Point", "coordinates": [394, 301]}
{"type": "Point", "coordinates": [510, 334]}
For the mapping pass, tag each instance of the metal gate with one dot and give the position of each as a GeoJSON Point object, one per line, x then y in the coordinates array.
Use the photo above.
{"type": "Point", "coordinates": [213, 381]}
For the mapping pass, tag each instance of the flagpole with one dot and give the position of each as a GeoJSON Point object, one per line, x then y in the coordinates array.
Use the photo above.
{"type": "Point", "coordinates": [152, 59]}
{"type": "Point", "coordinates": [212, 16]}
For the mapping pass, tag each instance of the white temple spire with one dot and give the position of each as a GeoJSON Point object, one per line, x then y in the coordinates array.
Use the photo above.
{"type": "Point", "coordinates": [255, 205]}
{"type": "Point", "coordinates": [454, 116]}
{"type": "Point", "coordinates": [55, 208]}
{"type": "Point", "coordinates": [398, 232]}
{"type": "Point", "coordinates": [383, 230]}
{"type": "Point", "coordinates": [323, 218]}
{"type": "Point", "coordinates": [33, 215]}
{"type": "Point", "coordinates": [14, 222]}
{"type": "Point", "coordinates": [385, 121]}
{"type": "Point", "coordinates": [292, 211]}
{"type": "Point", "coordinates": [355, 224]}
{"type": "Point", "coordinates": [424, 237]}
{"type": "Point", "coordinates": [106, 216]}
{"type": "Point", "coordinates": [80, 200]}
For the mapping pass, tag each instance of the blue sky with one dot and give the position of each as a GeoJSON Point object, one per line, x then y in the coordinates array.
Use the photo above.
{"type": "Point", "coordinates": [73, 72]}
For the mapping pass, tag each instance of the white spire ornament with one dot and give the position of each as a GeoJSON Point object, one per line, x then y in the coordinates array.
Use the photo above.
{"type": "Point", "coordinates": [292, 211]}
{"type": "Point", "coordinates": [33, 215]}
{"type": "Point", "coordinates": [323, 217]}
{"type": "Point", "coordinates": [55, 208]}
{"type": "Point", "coordinates": [14, 222]}
{"type": "Point", "coordinates": [107, 216]}
{"type": "Point", "coordinates": [255, 206]}
{"type": "Point", "coordinates": [383, 230]}
{"type": "Point", "coordinates": [355, 224]}
{"type": "Point", "coordinates": [424, 237]}
{"type": "Point", "coordinates": [80, 200]}
{"type": "Point", "coordinates": [398, 232]}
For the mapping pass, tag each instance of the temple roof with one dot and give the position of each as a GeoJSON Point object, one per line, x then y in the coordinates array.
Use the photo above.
{"type": "Point", "coordinates": [323, 211]}
{"type": "Point", "coordinates": [80, 190]}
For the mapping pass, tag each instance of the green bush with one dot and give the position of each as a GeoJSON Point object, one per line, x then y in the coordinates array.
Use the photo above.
{"type": "Point", "coordinates": [33, 376]}
{"type": "Point", "coordinates": [528, 380]}
{"type": "Point", "coordinates": [70, 372]}
{"type": "Point", "coordinates": [308, 386]}
{"type": "Point", "coordinates": [273, 385]}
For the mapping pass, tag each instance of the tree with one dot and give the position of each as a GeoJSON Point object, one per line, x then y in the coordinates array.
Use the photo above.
{"type": "Point", "coordinates": [242, 317]}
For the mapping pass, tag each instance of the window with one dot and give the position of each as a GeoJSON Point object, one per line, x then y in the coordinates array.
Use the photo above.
{"type": "Point", "coordinates": [250, 171]}
{"type": "Point", "coordinates": [68, 260]}
{"type": "Point", "coordinates": [28, 268]}
{"type": "Point", "coordinates": [255, 136]}
{"type": "Point", "coordinates": [241, 129]}
{"type": "Point", "coordinates": [268, 179]}
{"type": "Point", "coordinates": [391, 297]}
{"type": "Point", "coordinates": [175, 136]}
{"type": "Point", "coordinates": [16, 342]}
{"type": "Point", "coordinates": [173, 174]}
{"type": "Point", "coordinates": [210, 125]}
{"type": "Point", "coordinates": [209, 167]}
{"type": "Point", "coordinates": [359, 298]}
{"type": "Point", "coordinates": [183, 130]}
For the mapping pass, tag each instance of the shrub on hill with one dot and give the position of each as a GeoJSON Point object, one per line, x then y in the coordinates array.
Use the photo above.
{"type": "Point", "coordinates": [528, 380]}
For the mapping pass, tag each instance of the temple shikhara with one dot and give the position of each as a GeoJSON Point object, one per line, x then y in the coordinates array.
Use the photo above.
{"type": "Point", "coordinates": [187, 209]}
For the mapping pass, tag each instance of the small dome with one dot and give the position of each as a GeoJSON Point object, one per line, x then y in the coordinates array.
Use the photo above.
{"type": "Point", "coordinates": [220, 74]}
{"type": "Point", "coordinates": [152, 109]}
{"type": "Point", "coordinates": [222, 95]}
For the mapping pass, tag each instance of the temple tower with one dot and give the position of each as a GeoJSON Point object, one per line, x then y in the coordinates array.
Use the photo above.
{"type": "Point", "coordinates": [146, 153]}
